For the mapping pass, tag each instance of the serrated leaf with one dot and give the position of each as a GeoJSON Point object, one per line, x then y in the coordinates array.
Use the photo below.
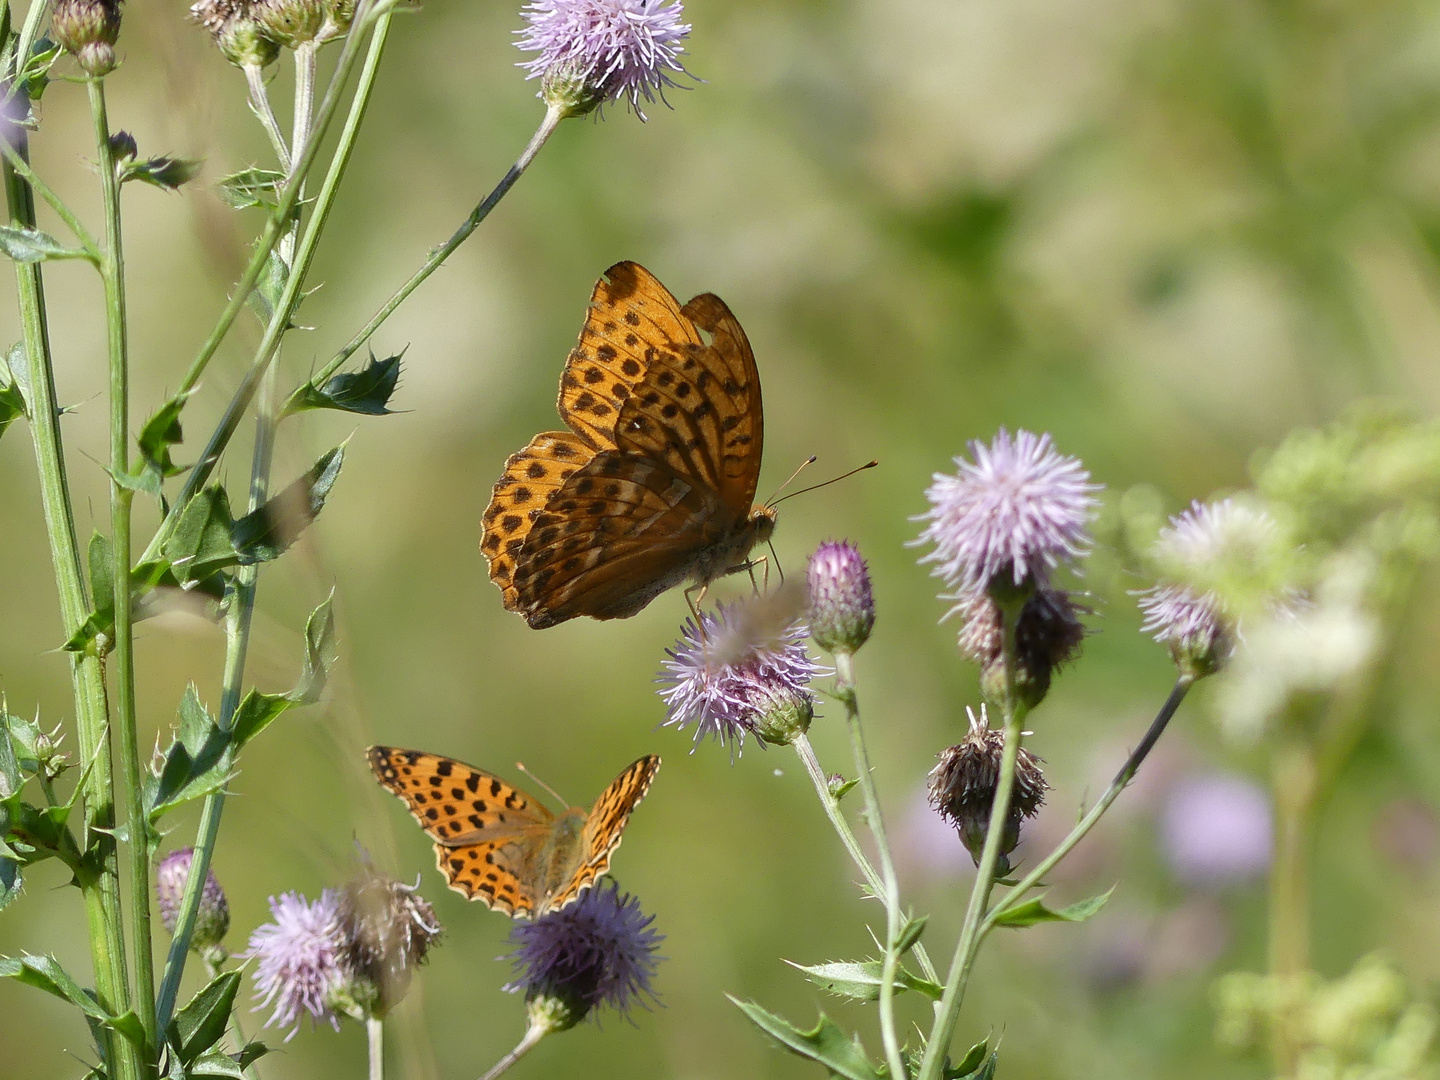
{"type": "Point", "coordinates": [860, 979]}
{"type": "Point", "coordinates": [160, 433]}
{"type": "Point", "coordinates": [367, 391]}
{"type": "Point", "coordinates": [986, 1071]}
{"type": "Point", "coordinates": [1035, 911]}
{"type": "Point", "coordinates": [200, 1024]}
{"type": "Point", "coordinates": [258, 711]}
{"type": "Point", "coordinates": [252, 187]}
{"type": "Point", "coordinates": [827, 1044]}
{"type": "Point", "coordinates": [910, 934]}
{"type": "Point", "coordinates": [229, 1065]}
{"type": "Point", "coordinates": [33, 246]}
{"type": "Point", "coordinates": [198, 761]}
{"type": "Point", "coordinates": [266, 533]}
{"type": "Point", "coordinates": [45, 973]}
{"type": "Point", "coordinates": [972, 1060]}
{"type": "Point", "coordinates": [268, 288]}
{"type": "Point", "coordinates": [165, 172]}
{"type": "Point", "coordinates": [201, 543]}
{"type": "Point", "coordinates": [35, 75]}
{"type": "Point", "coordinates": [12, 882]}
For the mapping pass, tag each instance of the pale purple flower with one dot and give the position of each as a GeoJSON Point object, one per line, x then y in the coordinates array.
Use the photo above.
{"type": "Point", "coordinates": [298, 960]}
{"type": "Point", "coordinates": [621, 48]}
{"type": "Point", "coordinates": [842, 606]}
{"type": "Point", "coordinates": [600, 950]}
{"type": "Point", "coordinates": [1215, 828]}
{"type": "Point", "coordinates": [212, 917]}
{"type": "Point", "coordinates": [1018, 510]}
{"type": "Point", "coordinates": [724, 679]}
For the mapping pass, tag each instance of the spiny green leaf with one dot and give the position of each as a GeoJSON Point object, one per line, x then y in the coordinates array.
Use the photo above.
{"type": "Point", "coordinates": [910, 934]}
{"type": "Point", "coordinates": [165, 172]}
{"type": "Point", "coordinates": [198, 761]}
{"type": "Point", "coordinates": [1035, 911]}
{"type": "Point", "coordinates": [266, 295]}
{"type": "Point", "coordinates": [232, 1066]}
{"type": "Point", "coordinates": [36, 72]}
{"type": "Point", "coordinates": [972, 1061]}
{"type": "Point", "coordinates": [33, 246]}
{"type": "Point", "coordinates": [827, 1044]}
{"type": "Point", "coordinates": [200, 1024]}
{"type": "Point", "coordinates": [860, 979]}
{"type": "Point", "coordinates": [11, 881]}
{"type": "Point", "coordinates": [161, 432]}
{"type": "Point", "coordinates": [252, 187]}
{"type": "Point", "coordinates": [45, 973]}
{"type": "Point", "coordinates": [201, 542]}
{"type": "Point", "coordinates": [266, 533]}
{"type": "Point", "coordinates": [258, 711]}
{"type": "Point", "coordinates": [367, 391]}
{"type": "Point", "coordinates": [12, 399]}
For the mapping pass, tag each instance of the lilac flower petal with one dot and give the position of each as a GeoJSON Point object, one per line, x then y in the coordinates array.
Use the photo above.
{"type": "Point", "coordinates": [298, 960]}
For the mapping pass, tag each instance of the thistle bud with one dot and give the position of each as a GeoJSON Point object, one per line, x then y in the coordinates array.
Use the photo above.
{"type": "Point", "coordinates": [339, 14]}
{"type": "Point", "coordinates": [842, 607]}
{"type": "Point", "coordinates": [212, 919]}
{"type": "Point", "coordinates": [236, 33]}
{"type": "Point", "coordinates": [385, 929]}
{"type": "Point", "coordinates": [570, 89]}
{"type": "Point", "coordinates": [1048, 635]}
{"type": "Point", "coordinates": [962, 789]}
{"type": "Point", "coordinates": [291, 23]}
{"type": "Point", "coordinates": [780, 713]}
{"type": "Point", "coordinates": [87, 29]}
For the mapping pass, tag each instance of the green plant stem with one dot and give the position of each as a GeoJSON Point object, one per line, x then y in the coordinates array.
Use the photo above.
{"type": "Point", "coordinates": [948, 1011]}
{"type": "Point", "coordinates": [1293, 779]}
{"type": "Point", "coordinates": [375, 1040]}
{"type": "Point", "coordinates": [30, 31]}
{"type": "Point", "coordinates": [123, 665]}
{"type": "Point", "coordinates": [73, 223]}
{"type": "Point", "coordinates": [1122, 780]}
{"type": "Point", "coordinates": [845, 691]}
{"type": "Point", "coordinates": [533, 1034]}
{"type": "Point", "coordinates": [290, 298]}
{"type": "Point", "coordinates": [101, 887]}
{"type": "Point", "coordinates": [260, 106]}
{"type": "Point", "coordinates": [438, 256]}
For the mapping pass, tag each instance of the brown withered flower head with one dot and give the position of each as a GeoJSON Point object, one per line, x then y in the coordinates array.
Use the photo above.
{"type": "Point", "coordinates": [1048, 635]}
{"type": "Point", "coordinates": [962, 788]}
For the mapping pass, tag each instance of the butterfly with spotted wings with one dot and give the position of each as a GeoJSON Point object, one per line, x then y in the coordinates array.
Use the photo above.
{"type": "Point", "coordinates": [654, 482]}
{"type": "Point", "coordinates": [498, 845]}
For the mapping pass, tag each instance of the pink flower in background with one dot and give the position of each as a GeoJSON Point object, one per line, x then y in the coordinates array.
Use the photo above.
{"type": "Point", "coordinates": [1216, 829]}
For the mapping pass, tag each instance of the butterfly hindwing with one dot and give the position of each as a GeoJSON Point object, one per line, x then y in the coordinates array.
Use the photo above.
{"type": "Point", "coordinates": [605, 824]}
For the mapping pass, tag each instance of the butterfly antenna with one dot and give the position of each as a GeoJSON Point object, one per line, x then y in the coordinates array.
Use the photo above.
{"type": "Point", "coordinates": [808, 461]}
{"type": "Point", "coordinates": [554, 794]}
{"type": "Point", "coordinates": [776, 556]}
{"type": "Point", "coordinates": [813, 487]}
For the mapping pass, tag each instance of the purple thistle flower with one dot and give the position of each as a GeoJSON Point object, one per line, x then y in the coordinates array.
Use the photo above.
{"type": "Point", "coordinates": [1019, 510]}
{"type": "Point", "coordinates": [600, 950]}
{"type": "Point", "coordinates": [212, 918]}
{"type": "Point", "coordinates": [612, 48]}
{"type": "Point", "coordinates": [1216, 829]}
{"type": "Point", "coordinates": [727, 679]}
{"type": "Point", "coordinates": [298, 960]}
{"type": "Point", "coordinates": [842, 606]}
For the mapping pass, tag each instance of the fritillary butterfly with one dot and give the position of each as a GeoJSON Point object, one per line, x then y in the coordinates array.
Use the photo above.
{"type": "Point", "coordinates": [654, 481]}
{"type": "Point", "coordinates": [496, 844]}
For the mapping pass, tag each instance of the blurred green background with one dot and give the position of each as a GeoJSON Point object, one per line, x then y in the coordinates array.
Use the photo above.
{"type": "Point", "coordinates": [1165, 232]}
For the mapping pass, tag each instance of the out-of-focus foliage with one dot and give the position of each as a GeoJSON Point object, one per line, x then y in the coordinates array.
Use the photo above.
{"type": "Point", "coordinates": [1167, 233]}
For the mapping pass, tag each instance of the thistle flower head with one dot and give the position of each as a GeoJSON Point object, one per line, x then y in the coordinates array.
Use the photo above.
{"type": "Point", "coordinates": [212, 918]}
{"type": "Point", "coordinates": [962, 788]}
{"type": "Point", "coordinates": [1015, 512]}
{"type": "Point", "coordinates": [842, 607]}
{"type": "Point", "coordinates": [594, 51]}
{"type": "Point", "coordinates": [289, 22]}
{"type": "Point", "coordinates": [729, 680]}
{"type": "Point", "coordinates": [598, 951]}
{"type": "Point", "coordinates": [237, 35]}
{"type": "Point", "coordinates": [298, 960]}
{"type": "Point", "coordinates": [385, 929]}
{"type": "Point", "coordinates": [1048, 635]}
{"type": "Point", "coordinates": [88, 30]}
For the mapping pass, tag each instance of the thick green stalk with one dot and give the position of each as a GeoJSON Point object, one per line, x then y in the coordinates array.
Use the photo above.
{"type": "Point", "coordinates": [438, 256]}
{"type": "Point", "coordinates": [1122, 780]}
{"type": "Point", "coordinates": [845, 691]}
{"type": "Point", "coordinates": [100, 888]}
{"type": "Point", "coordinates": [123, 665]}
{"type": "Point", "coordinates": [375, 1040]}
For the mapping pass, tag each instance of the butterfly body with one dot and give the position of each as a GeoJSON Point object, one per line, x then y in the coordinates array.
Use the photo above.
{"type": "Point", "coordinates": [654, 483]}
{"type": "Point", "coordinates": [496, 844]}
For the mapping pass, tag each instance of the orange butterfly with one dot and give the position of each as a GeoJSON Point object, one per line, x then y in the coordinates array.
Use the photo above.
{"type": "Point", "coordinates": [654, 481]}
{"type": "Point", "coordinates": [498, 845]}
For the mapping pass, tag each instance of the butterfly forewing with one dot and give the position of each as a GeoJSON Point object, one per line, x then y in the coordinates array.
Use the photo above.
{"type": "Point", "coordinates": [605, 824]}
{"type": "Point", "coordinates": [632, 318]}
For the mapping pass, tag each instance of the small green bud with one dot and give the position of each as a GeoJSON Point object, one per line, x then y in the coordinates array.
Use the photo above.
{"type": "Point", "coordinates": [570, 88]}
{"type": "Point", "coordinates": [290, 22]}
{"type": "Point", "coordinates": [87, 29]}
{"type": "Point", "coordinates": [236, 33]}
{"type": "Point", "coordinates": [339, 14]}
{"type": "Point", "coordinates": [550, 1013]}
{"type": "Point", "coordinates": [780, 714]}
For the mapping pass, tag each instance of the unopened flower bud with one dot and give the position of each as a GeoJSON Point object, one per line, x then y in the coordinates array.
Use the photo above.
{"type": "Point", "coordinates": [842, 607]}
{"type": "Point", "coordinates": [289, 22]}
{"type": "Point", "coordinates": [87, 29]}
{"type": "Point", "coordinates": [212, 919]}
{"type": "Point", "coordinates": [339, 14]}
{"type": "Point", "coordinates": [236, 33]}
{"type": "Point", "coordinates": [569, 88]}
{"type": "Point", "coordinates": [1048, 635]}
{"type": "Point", "coordinates": [781, 713]}
{"type": "Point", "coordinates": [962, 789]}
{"type": "Point", "coordinates": [554, 1012]}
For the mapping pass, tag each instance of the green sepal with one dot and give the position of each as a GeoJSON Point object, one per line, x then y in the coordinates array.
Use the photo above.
{"type": "Point", "coordinates": [843, 788]}
{"type": "Point", "coordinates": [258, 711]}
{"type": "Point", "coordinates": [201, 544]}
{"type": "Point", "coordinates": [860, 979]}
{"type": "Point", "coordinates": [45, 973]}
{"type": "Point", "coordinates": [201, 1023]}
{"type": "Point", "coordinates": [367, 391]}
{"type": "Point", "coordinates": [266, 533]}
{"type": "Point", "coordinates": [1035, 911]}
{"type": "Point", "coordinates": [165, 172]}
{"type": "Point", "coordinates": [33, 246]}
{"type": "Point", "coordinates": [252, 187]}
{"type": "Point", "coordinates": [826, 1044]}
